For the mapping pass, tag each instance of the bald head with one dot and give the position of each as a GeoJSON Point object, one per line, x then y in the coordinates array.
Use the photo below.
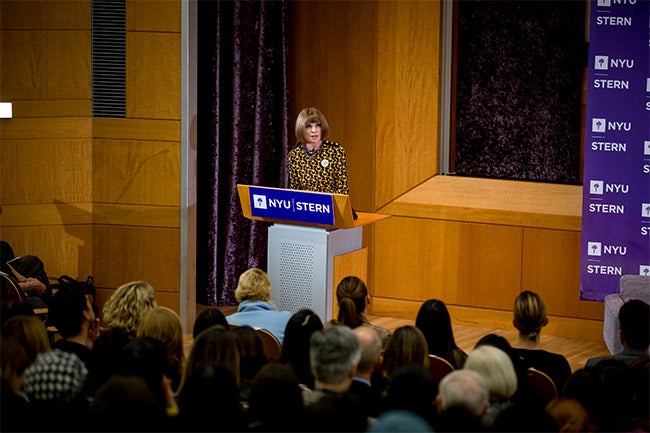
{"type": "Point", "coordinates": [370, 349]}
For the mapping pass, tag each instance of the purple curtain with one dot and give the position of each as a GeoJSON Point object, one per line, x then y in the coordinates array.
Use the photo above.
{"type": "Point", "coordinates": [242, 134]}
{"type": "Point", "coordinates": [519, 71]}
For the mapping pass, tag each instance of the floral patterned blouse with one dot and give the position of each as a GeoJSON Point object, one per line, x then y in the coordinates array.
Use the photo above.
{"type": "Point", "coordinates": [324, 171]}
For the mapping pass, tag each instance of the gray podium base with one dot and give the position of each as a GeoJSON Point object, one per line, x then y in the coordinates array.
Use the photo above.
{"type": "Point", "coordinates": [300, 265]}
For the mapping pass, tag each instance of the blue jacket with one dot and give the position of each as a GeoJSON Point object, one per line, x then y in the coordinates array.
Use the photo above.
{"type": "Point", "coordinates": [259, 314]}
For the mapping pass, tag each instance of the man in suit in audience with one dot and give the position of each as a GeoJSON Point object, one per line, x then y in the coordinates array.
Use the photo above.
{"type": "Point", "coordinates": [634, 324]}
{"type": "Point", "coordinates": [334, 353]}
{"type": "Point", "coordinates": [370, 362]}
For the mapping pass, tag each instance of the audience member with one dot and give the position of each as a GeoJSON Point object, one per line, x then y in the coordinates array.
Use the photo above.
{"type": "Point", "coordinates": [146, 357]}
{"type": "Point", "coordinates": [334, 355]}
{"type": "Point", "coordinates": [295, 348]}
{"type": "Point", "coordinates": [466, 389]}
{"type": "Point", "coordinates": [569, 415]}
{"type": "Point", "coordinates": [276, 403]}
{"type": "Point", "coordinates": [22, 339]}
{"type": "Point", "coordinates": [634, 325]}
{"type": "Point", "coordinates": [496, 368]}
{"type": "Point", "coordinates": [398, 421]}
{"type": "Point", "coordinates": [127, 305]}
{"type": "Point", "coordinates": [529, 319]}
{"type": "Point", "coordinates": [54, 385]}
{"type": "Point", "coordinates": [206, 318]}
{"type": "Point", "coordinates": [607, 394]}
{"type": "Point", "coordinates": [435, 323]}
{"type": "Point", "coordinates": [126, 402]}
{"type": "Point", "coordinates": [209, 398]}
{"type": "Point", "coordinates": [411, 388]}
{"type": "Point", "coordinates": [72, 314]}
{"type": "Point", "coordinates": [256, 308]}
{"type": "Point", "coordinates": [519, 417]}
{"type": "Point", "coordinates": [164, 324]}
{"type": "Point", "coordinates": [28, 272]}
{"type": "Point", "coordinates": [216, 347]}
{"type": "Point", "coordinates": [251, 358]}
{"type": "Point", "coordinates": [122, 314]}
{"type": "Point", "coordinates": [369, 366]}
{"type": "Point", "coordinates": [353, 298]}
{"type": "Point", "coordinates": [406, 345]}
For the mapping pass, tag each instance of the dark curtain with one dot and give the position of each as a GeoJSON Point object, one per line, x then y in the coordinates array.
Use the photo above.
{"type": "Point", "coordinates": [242, 132]}
{"type": "Point", "coordinates": [519, 81]}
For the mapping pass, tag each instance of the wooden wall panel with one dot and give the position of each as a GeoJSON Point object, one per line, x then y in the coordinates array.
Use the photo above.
{"type": "Point", "coordinates": [153, 73]}
{"type": "Point", "coordinates": [460, 263]}
{"type": "Point", "coordinates": [64, 249]}
{"type": "Point", "coordinates": [408, 52]}
{"type": "Point", "coordinates": [45, 65]}
{"type": "Point", "coordinates": [45, 171]}
{"type": "Point", "coordinates": [142, 172]}
{"type": "Point", "coordinates": [153, 16]}
{"type": "Point", "coordinates": [122, 254]}
{"type": "Point", "coordinates": [333, 67]}
{"type": "Point", "coordinates": [551, 267]}
{"type": "Point", "coordinates": [45, 15]}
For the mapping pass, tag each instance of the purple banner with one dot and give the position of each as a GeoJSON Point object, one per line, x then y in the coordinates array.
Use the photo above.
{"type": "Point", "coordinates": [616, 184]}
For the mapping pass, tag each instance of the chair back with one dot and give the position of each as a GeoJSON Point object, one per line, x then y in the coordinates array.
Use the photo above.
{"type": "Point", "coordinates": [11, 292]}
{"type": "Point", "coordinates": [439, 367]}
{"type": "Point", "coordinates": [272, 346]}
{"type": "Point", "coordinates": [541, 382]}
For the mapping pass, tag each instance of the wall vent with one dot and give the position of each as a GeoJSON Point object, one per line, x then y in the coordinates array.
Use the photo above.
{"type": "Point", "coordinates": [109, 58]}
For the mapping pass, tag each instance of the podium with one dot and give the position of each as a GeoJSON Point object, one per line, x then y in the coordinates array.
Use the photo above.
{"type": "Point", "coordinates": [310, 231]}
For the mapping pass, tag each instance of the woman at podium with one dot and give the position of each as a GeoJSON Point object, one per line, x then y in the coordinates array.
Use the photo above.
{"type": "Point", "coordinates": [316, 164]}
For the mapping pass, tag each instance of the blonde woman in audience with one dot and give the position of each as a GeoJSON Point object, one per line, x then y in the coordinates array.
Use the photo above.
{"type": "Point", "coordinates": [406, 345]}
{"type": "Point", "coordinates": [529, 319]}
{"type": "Point", "coordinates": [121, 316]}
{"type": "Point", "coordinates": [353, 299]}
{"type": "Point", "coordinates": [256, 308]}
{"type": "Point", "coordinates": [127, 305]}
{"type": "Point", "coordinates": [499, 373]}
{"type": "Point", "coordinates": [164, 324]}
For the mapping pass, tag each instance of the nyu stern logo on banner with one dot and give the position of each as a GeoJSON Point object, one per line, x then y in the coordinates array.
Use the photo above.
{"type": "Point", "coordinates": [616, 183]}
{"type": "Point", "coordinates": [292, 205]}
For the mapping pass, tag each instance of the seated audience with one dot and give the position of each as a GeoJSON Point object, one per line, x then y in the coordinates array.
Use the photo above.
{"type": "Point", "coordinates": [634, 325]}
{"type": "Point", "coordinates": [569, 415]}
{"type": "Point", "coordinates": [529, 319]}
{"type": "Point", "coordinates": [406, 345]}
{"type": "Point", "coordinates": [206, 318]}
{"type": "Point", "coordinates": [353, 298]}
{"type": "Point", "coordinates": [496, 368]}
{"type": "Point", "coordinates": [164, 324]}
{"type": "Point", "coordinates": [251, 358]}
{"type": "Point", "coordinates": [256, 308]}
{"type": "Point", "coordinates": [28, 272]}
{"type": "Point", "coordinates": [398, 421]}
{"type": "Point", "coordinates": [295, 348]}
{"type": "Point", "coordinates": [435, 323]}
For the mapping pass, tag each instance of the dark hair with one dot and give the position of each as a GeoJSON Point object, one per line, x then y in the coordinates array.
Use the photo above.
{"type": "Point", "coordinates": [435, 323]}
{"type": "Point", "coordinates": [295, 345]}
{"type": "Point", "coordinates": [208, 317]}
{"type": "Point", "coordinates": [634, 322]}
{"type": "Point", "coordinates": [66, 310]}
{"type": "Point", "coordinates": [351, 294]}
{"type": "Point", "coordinates": [251, 351]}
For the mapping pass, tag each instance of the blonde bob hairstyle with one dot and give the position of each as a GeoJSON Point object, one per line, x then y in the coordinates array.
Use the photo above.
{"type": "Point", "coordinates": [254, 285]}
{"type": "Point", "coordinates": [307, 116]}
{"type": "Point", "coordinates": [127, 305]}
